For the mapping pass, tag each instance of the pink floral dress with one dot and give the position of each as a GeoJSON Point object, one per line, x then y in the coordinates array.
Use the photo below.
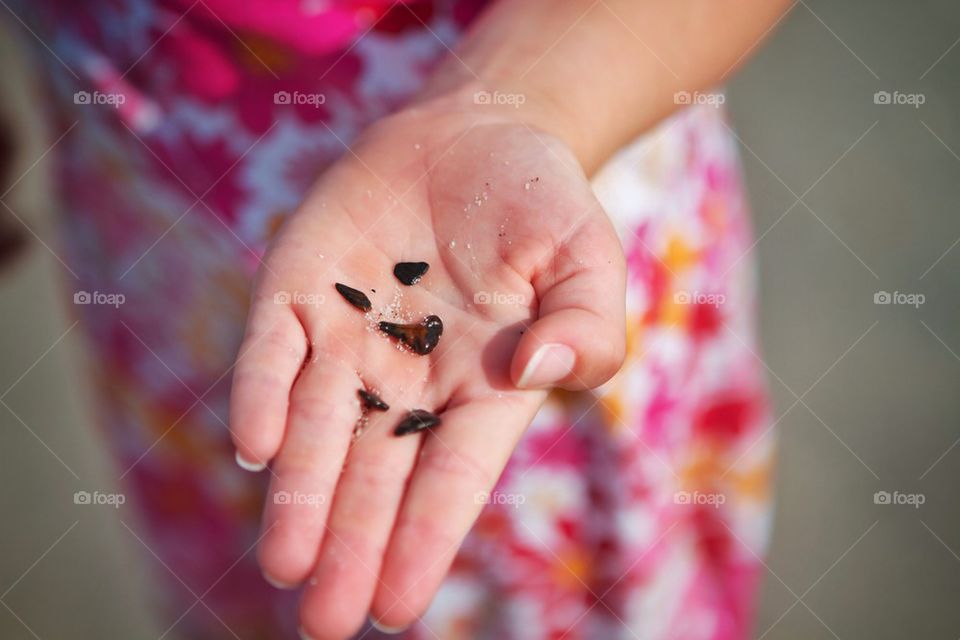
{"type": "Point", "coordinates": [638, 510]}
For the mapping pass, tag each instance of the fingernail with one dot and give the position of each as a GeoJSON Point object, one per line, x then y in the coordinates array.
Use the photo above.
{"type": "Point", "coordinates": [385, 629]}
{"type": "Point", "coordinates": [278, 583]}
{"type": "Point", "coordinates": [249, 466]}
{"type": "Point", "coordinates": [550, 364]}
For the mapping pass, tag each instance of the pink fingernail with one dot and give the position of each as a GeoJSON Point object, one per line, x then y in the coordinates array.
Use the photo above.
{"type": "Point", "coordinates": [246, 465]}
{"type": "Point", "coordinates": [279, 584]}
{"type": "Point", "coordinates": [550, 364]}
{"type": "Point", "coordinates": [385, 629]}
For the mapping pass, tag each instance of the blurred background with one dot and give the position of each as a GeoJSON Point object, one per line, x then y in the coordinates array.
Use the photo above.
{"type": "Point", "coordinates": [855, 196]}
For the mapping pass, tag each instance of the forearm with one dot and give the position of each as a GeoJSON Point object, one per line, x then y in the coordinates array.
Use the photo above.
{"type": "Point", "coordinates": [597, 74]}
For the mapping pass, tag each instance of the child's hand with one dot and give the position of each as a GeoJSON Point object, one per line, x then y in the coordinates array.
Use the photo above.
{"type": "Point", "coordinates": [526, 274]}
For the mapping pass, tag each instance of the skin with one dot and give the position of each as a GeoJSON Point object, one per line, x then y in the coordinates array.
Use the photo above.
{"type": "Point", "coordinates": [497, 200]}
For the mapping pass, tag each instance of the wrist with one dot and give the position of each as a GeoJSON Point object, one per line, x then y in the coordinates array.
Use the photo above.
{"type": "Point", "coordinates": [511, 103]}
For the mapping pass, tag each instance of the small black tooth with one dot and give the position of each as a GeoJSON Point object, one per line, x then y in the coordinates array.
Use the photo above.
{"type": "Point", "coordinates": [355, 297]}
{"type": "Point", "coordinates": [421, 338]}
{"type": "Point", "coordinates": [409, 273]}
{"type": "Point", "coordinates": [416, 421]}
{"type": "Point", "coordinates": [372, 401]}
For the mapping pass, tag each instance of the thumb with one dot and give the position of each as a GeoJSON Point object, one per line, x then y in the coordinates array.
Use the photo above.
{"type": "Point", "coordinates": [578, 340]}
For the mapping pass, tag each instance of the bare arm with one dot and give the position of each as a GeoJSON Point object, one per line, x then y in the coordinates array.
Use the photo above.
{"type": "Point", "coordinates": [596, 74]}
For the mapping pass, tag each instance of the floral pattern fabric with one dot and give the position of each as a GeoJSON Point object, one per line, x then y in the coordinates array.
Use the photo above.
{"type": "Point", "coordinates": [637, 510]}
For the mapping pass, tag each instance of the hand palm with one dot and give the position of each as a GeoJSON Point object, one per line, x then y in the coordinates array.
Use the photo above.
{"type": "Point", "coordinates": [506, 222]}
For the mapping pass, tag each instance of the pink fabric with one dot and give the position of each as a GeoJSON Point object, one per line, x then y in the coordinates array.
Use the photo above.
{"type": "Point", "coordinates": [638, 510]}
{"type": "Point", "coordinates": [311, 26]}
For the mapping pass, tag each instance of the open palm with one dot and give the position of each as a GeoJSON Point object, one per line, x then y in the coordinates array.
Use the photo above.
{"type": "Point", "coordinates": [525, 272]}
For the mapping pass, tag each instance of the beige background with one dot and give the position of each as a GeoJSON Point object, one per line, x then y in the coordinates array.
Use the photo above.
{"type": "Point", "coordinates": [879, 187]}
